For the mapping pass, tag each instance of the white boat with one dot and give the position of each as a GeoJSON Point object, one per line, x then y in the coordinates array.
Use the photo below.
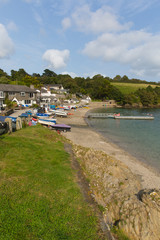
{"type": "Point", "coordinates": [66, 108]}
{"type": "Point", "coordinates": [48, 119]}
{"type": "Point", "coordinates": [46, 123]}
{"type": "Point", "coordinates": [60, 113]}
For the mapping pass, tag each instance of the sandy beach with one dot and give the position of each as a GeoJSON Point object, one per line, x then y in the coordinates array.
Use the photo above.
{"type": "Point", "coordinates": [82, 134]}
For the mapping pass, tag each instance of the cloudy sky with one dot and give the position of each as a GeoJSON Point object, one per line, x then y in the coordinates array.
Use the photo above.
{"type": "Point", "coordinates": [81, 38]}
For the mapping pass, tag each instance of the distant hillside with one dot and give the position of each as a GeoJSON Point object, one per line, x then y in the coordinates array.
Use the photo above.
{"type": "Point", "coordinates": [127, 88]}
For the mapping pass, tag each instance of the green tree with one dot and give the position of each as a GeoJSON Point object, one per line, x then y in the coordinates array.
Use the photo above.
{"type": "Point", "coordinates": [49, 73]}
{"type": "Point", "coordinates": [124, 79]}
{"type": "Point", "coordinates": [17, 76]}
{"type": "Point", "coordinates": [4, 80]}
{"type": "Point", "coordinates": [3, 74]}
{"type": "Point", "coordinates": [117, 78]}
{"type": "Point", "coordinates": [8, 103]}
{"type": "Point", "coordinates": [147, 96]}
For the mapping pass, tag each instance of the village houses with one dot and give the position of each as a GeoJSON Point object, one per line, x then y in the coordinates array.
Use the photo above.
{"type": "Point", "coordinates": [20, 94]}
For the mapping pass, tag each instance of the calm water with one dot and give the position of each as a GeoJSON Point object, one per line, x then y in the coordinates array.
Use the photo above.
{"type": "Point", "coordinates": [141, 138]}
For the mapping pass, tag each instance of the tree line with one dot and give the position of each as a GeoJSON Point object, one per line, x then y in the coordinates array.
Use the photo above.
{"type": "Point", "coordinates": [97, 87]}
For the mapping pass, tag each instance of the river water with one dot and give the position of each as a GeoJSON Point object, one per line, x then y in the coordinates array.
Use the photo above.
{"type": "Point", "coordinates": [141, 138]}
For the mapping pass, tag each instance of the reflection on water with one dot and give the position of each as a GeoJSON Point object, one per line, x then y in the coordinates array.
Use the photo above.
{"type": "Point", "coordinates": [141, 138]}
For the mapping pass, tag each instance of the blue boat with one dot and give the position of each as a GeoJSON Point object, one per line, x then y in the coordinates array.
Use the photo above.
{"type": "Point", "coordinates": [29, 113]}
{"type": "Point", "coordinates": [24, 115]}
{"type": "Point", "coordinates": [2, 118]}
{"type": "Point", "coordinates": [13, 118]}
{"type": "Point", "coordinates": [53, 120]}
{"type": "Point", "coordinates": [43, 115]}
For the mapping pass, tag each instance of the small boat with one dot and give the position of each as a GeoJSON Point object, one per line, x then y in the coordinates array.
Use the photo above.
{"type": "Point", "coordinates": [34, 119]}
{"type": "Point", "coordinates": [24, 115]}
{"type": "Point", "coordinates": [29, 113]}
{"type": "Point", "coordinates": [13, 118]}
{"type": "Point", "coordinates": [66, 108]}
{"type": "Point", "coordinates": [46, 123]}
{"type": "Point", "coordinates": [53, 120]}
{"type": "Point", "coordinates": [60, 113]}
{"type": "Point", "coordinates": [43, 114]}
{"type": "Point", "coordinates": [61, 127]}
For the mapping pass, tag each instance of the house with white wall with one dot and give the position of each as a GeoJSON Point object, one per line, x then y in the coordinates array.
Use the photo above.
{"type": "Point", "coordinates": [20, 94]}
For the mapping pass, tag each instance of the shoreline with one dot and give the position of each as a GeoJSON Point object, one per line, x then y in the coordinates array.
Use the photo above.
{"type": "Point", "coordinates": [82, 134]}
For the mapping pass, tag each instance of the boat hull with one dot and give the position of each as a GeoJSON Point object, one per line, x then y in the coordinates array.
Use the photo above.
{"type": "Point", "coordinates": [62, 127]}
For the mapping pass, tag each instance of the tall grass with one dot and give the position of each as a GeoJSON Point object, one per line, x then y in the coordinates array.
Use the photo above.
{"type": "Point", "coordinates": [39, 196]}
{"type": "Point", "coordinates": [127, 88]}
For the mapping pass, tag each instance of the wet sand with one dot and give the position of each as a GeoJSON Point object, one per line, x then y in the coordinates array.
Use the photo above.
{"type": "Point", "coordinates": [82, 134]}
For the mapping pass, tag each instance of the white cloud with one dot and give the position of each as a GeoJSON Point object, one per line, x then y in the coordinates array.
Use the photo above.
{"type": "Point", "coordinates": [12, 26]}
{"type": "Point", "coordinates": [72, 74]}
{"type": "Point", "coordinates": [138, 6]}
{"type": "Point", "coordinates": [6, 44]}
{"type": "Point", "coordinates": [63, 7]}
{"type": "Point", "coordinates": [66, 23]}
{"type": "Point", "coordinates": [100, 21]}
{"type": "Point", "coordinates": [38, 18]}
{"type": "Point", "coordinates": [138, 49]}
{"type": "Point", "coordinates": [57, 59]}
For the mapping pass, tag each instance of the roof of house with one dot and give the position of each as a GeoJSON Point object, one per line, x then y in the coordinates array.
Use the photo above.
{"type": "Point", "coordinates": [44, 90]}
{"type": "Point", "coordinates": [53, 85]}
{"type": "Point", "coordinates": [16, 88]}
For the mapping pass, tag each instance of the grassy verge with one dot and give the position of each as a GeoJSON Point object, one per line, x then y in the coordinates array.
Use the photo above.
{"type": "Point", "coordinates": [119, 233]}
{"type": "Point", "coordinates": [127, 88]}
{"type": "Point", "coordinates": [39, 196]}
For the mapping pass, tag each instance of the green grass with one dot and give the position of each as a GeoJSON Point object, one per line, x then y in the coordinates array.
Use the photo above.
{"type": "Point", "coordinates": [119, 233]}
{"type": "Point", "coordinates": [39, 196]}
{"type": "Point", "coordinates": [127, 88]}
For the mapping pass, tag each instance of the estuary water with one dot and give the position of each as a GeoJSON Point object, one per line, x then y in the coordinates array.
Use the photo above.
{"type": "Point", "coordinates": [140, 138]}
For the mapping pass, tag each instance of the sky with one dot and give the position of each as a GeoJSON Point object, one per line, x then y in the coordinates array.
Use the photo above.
{"type": "Point", "coordinates": [81, 38]}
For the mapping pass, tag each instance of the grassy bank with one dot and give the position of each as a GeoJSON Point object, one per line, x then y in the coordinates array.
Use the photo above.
{"type": "Point", "coordinates": [39, 196]}
{"type": "Point", "coordinates": [127, 88]}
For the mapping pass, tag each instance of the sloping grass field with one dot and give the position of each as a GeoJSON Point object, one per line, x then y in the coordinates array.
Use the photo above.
{"type": "Point", "coordinates": [39, 195]}
{"type": "Point", "coordinates": [127, 88]}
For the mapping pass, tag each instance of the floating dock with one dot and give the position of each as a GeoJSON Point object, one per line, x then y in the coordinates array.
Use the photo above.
{"type": "Point", "coordinates": [134, 117]}
{"type": "Point", "coordinates": [100, 115]}
{"type": "Point", "coordinates": [114, 116]}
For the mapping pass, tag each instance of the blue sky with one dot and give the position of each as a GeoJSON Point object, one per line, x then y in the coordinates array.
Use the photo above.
{"type": "Point", "coordinates": [81, 38]}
